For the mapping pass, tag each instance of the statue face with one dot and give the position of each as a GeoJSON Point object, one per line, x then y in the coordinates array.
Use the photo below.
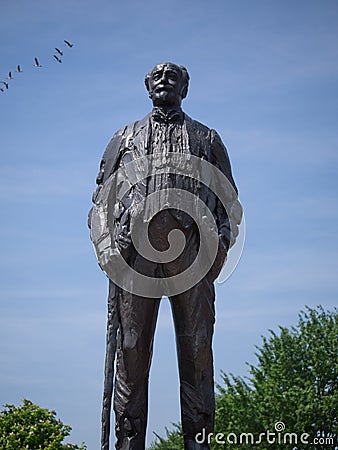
{"type": "Point", "coordinates": [165, 85]}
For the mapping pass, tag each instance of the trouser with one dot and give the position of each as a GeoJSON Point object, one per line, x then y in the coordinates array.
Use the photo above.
{"type": "Point", "coordinates": [194, 316]}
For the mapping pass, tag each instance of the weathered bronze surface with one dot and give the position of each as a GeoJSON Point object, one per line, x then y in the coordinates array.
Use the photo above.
{"type": "Point", "coordinates": [173, 153]}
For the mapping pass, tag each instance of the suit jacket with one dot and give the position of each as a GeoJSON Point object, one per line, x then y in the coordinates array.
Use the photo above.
{"type": "Point", "coordinates": [203, 143]}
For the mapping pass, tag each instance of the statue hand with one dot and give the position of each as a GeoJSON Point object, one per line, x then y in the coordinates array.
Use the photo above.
{"type": "Point", "coordinates": [124, 243]}
{"type": "Point", "coordinates": [223, 246]}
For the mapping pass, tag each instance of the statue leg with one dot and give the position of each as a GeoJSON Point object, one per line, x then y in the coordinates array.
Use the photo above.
{"type": "Point", "coordinates": [194, 318]}
{"type": "Point", "coordinates": [137, 321]}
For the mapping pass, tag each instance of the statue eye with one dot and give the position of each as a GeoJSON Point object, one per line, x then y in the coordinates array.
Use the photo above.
{"type": "Point", "coordinates": [156, 76]}
{"type": "Point", "coordinates": [172, 76]}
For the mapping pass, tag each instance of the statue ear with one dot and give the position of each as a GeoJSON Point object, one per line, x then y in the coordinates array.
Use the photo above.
{"type": "Point", "coordinates": [146, 82]}
{"type": "Point", "coordinates": [184, 91]}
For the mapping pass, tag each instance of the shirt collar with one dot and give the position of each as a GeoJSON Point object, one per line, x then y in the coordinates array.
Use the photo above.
{"type": "Point", "coordinates": [167, 115]}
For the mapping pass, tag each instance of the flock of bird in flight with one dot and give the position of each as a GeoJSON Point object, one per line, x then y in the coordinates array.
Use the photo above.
{"type": "Point", "coordinates": [57, 58]}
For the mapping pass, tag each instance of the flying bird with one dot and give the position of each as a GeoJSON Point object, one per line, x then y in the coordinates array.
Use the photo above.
{"type": "Point", "coordinates": [59, 51]}
{"type": "Point", "coordinates": [10, 77]}
{"type": "Point", "coordinates": [57, 59]}
{"type": "Point", "coordinates": [19, 70]}
{"type": "Point", "coordinates": [68, 43]}
{"type": "Point", "coordinates": [5, 83]}
{"type": "Point", "coordinates": [36, 63]}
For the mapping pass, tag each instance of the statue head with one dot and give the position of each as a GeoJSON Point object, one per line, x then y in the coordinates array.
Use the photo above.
{"type": "Point", "coordinates": [167, 84]}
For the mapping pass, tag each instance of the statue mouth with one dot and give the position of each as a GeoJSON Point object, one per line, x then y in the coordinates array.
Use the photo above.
{"type": "Point", "coordinates": [163, 87]}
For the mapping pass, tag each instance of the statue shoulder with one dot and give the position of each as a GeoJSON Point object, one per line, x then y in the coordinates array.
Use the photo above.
{"type": "Point", "coordinates": [126, 131]}
{"type": "Point", "coordinates": [117, 143]}
{"type": "Point", "coordinates": [197, 126]}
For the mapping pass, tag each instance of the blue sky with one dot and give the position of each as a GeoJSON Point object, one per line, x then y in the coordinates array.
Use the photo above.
{"type": "Point", "coordinates": [263, 74]}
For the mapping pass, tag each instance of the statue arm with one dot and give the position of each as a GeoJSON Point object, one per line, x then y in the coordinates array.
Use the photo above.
{"type": "Point", "coordinates": [229, 217]}
{"type": "Point", "coordinates": [221, 158]}
{"type": "Point", "coordinates": [107, 165]}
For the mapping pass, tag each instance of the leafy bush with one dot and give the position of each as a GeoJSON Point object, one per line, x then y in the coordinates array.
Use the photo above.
{"type": "Point", "coordinates": [30, 427]}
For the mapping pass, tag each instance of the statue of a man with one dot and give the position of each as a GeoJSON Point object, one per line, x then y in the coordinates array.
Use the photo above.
{"type": "Point", "coordinates": [185, 172]}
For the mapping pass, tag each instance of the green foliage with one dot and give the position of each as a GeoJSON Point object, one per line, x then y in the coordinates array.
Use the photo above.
{"type": "Point", "coordinates": [296, 378]}
{"type": "Point", "coordinates": [172, 441]}
{"type": "Point", "coordinates": [295, 382]}
{"type": "Point", "coordinates": [29, 427]}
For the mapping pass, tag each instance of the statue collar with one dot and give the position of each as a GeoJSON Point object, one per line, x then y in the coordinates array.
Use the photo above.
{"type": "Point", "coordinates": [165, 115]}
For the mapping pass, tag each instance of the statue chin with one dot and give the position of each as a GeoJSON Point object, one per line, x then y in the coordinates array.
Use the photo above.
{"type": "Point", "coordinates": [164, 98]}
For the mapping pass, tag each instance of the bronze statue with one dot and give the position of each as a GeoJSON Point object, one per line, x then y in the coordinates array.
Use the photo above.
{"type": "Point", "coordinates": [165, 214]}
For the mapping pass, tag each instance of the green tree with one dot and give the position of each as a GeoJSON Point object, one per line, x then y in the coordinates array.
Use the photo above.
{"type": "Point", "coordinates": [30, 427]}
{"type": "Point", "coordinates": [172, 441]}
{"type": "Point", "coordinates": [296, 379]}
{"type": "Point", "coordinates": [293, 385]}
